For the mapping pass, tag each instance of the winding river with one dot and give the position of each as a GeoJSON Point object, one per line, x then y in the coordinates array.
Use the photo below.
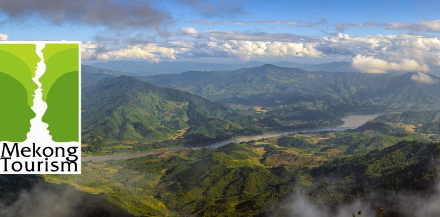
{"type": "Point", "coordinates": [350, 122]}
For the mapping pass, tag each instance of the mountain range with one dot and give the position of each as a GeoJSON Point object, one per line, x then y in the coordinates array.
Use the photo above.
{"type": "Point", "coordinates": [271, 85]}
{"type": "Point", "coordinates": [148, 68]}
{"type": "Point", "coordinates": [186, 108]}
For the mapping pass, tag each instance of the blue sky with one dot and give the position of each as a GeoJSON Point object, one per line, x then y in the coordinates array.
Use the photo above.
{"type": "Point", "coordinates": [375, 35]}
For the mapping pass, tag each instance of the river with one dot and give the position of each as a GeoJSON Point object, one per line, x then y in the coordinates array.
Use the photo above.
{"type": "Point", "coordinates": [350, 122]}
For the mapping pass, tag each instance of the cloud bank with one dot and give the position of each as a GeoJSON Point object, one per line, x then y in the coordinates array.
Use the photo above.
{"type": "Point", "coordinates": [250, 49]}
{"type": "Point", "coordinates": [370, 54]}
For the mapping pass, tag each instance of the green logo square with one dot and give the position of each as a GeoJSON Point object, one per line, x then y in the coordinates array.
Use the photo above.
{"type": "Point", "coordinates": [39, 96]}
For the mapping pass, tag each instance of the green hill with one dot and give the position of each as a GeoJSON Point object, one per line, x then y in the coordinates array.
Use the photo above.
{"type": "Point", "coordinates": [132, 112]}
{"type": "Point", "coordinates": [426, 121]}
{"type": "Point", "coordinates": [401, 179]}
{"type": "Point", "coordinates": [407, 166]}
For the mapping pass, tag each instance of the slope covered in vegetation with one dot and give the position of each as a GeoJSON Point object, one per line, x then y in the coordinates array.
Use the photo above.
{"type": "Point", "coordinates": [137, 115]}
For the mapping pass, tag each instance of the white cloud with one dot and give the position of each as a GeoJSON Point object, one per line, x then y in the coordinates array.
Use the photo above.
{"type": "Point", "coordinates": [89, 50]}
{"type": "Point", "coordinates": [371, 53]}
{"type": "Point", "coordinates": [256, 36]}
{"type": "Point", "coordinates": [423, 25]}
{"type": "Point", "coordinates": [250, 49]}
{"type": "Point", "coordinates": [417, 26]}
{"type": "Point", "coordinates": [346, 45]}
{"type": "Point", "coordinates": [343, 36]}
{"type": "Point", "coordinates": [424, 78]}
{"type": "Point", "coordinates": [381, 53]}
{"type": "Point", "coordinates": [427, 43]}
{"type": "Point", "coordinates": [149, 51]}
{"type": "Point", "coordinates": [3, 37]}
{"type": "Point", "coordinates": [188, 31]}
{"type": "Point", "coordinates": [370, 64]}
{"type": "Point", "coordinates": [337, 37]}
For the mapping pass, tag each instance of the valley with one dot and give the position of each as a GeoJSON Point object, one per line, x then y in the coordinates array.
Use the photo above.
{"type": "Point", "coordinates": [252, 142]}
{"type": "Point", "coordinates": [350, 122]}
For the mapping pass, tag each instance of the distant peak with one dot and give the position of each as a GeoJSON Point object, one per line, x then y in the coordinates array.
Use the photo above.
{"type": "Point", "coordinates": [126, 78]}
{"type": "Point", "coordinates": [269, 65]}
{"type": "Point", "coordinates": [129, 81]}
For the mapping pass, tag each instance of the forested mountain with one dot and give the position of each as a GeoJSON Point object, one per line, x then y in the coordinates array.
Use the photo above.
{"type": "Point", "coordinates": [426, 121]}
{"type": "Point", "coordinates": [288, 98]}
{"type": "Point", "coordinates": [391, 169]}
{"type": "Point", "coordinates": [127, 110]}
{"type": "Point", "coordinates": [260, 179]}
{"type": "Point", "coordinates": [270, 85]}
{"type": "Point", "coordinates": [412, 117]}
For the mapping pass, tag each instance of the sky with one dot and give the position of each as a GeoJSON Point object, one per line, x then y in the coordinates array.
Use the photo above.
{"type": "Point", "coordinates": [375, 36]}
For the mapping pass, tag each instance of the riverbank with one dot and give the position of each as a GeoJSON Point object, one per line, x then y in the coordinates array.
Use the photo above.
{"type": "Point", "coordinates": [350, 122]}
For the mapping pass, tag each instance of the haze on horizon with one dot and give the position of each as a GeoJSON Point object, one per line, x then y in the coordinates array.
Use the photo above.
{"type": "Point", "coordinates": [375, 36]}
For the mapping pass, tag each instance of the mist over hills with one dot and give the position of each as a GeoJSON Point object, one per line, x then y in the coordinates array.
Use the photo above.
{"type": "Point", "coordinates": [30, 195]}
